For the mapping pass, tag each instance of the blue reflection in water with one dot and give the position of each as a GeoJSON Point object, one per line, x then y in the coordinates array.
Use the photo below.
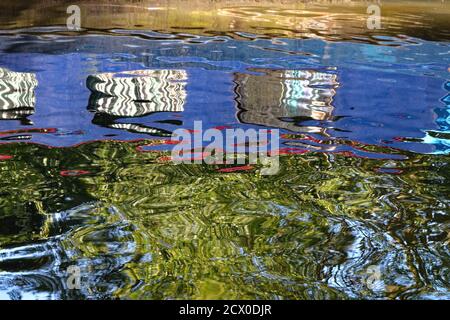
{"type": "Point", "coordinates": [334, 96]}
{"type": "Point", "coordinates": [383, 95]}
{"type": "Point", "coordinates": [441, 138]}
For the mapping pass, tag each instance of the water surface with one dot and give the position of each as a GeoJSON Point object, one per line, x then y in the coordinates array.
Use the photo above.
{"type": "Point", "coordinates": [87, 182]}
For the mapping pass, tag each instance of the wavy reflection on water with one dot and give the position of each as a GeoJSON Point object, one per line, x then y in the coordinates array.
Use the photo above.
{"type": "Point", "coordinates": [364, 117]}
{"type": "Point", "coordinates": [337, 20]}
{"type": "Point", "coordinates": [17, 97]}
{"type": "Point", "coordinates": [441, 137]}
{"type": "Point", "coordinates": [136, 94]}
{"type": "Point", "coordinates": [39, 270]}
{"type": "Point", "coordinates": [192, 232]}
{"type": "Point", "coordinates": [404, 86]}
{"type": "Point", "coordinates": [280, 98]}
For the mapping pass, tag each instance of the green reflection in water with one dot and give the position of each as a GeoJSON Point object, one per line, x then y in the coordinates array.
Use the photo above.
{"type": "Point", "coordinates": [140, 227]}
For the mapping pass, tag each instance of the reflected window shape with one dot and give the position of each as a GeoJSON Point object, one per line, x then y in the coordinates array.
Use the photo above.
{"type": "Point", "coordinates": [283, 98]}
{"type": "Point", "coordinates": [17, 94]}
{"type": "Point", "coordinates": [136, 94]}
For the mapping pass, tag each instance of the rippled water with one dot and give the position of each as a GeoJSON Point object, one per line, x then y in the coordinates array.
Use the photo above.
{"type": "Point", "coordinates": [364, 119]}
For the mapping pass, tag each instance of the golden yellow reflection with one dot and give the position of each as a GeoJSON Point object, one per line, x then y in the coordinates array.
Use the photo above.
{"type": "Point", "coordinates": [331, 20]}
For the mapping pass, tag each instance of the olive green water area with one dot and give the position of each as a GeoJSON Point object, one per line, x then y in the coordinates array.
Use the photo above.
{"type": "Point", "coordinates": [138, 226]}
